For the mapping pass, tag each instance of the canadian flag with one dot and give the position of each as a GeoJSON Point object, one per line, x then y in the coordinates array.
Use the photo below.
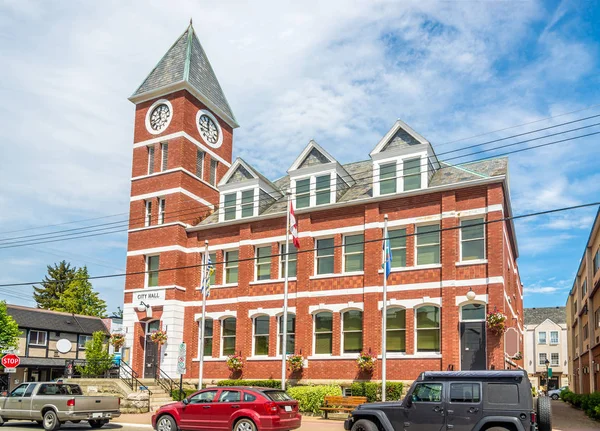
{"type": "Point", "coordinates": [294, 227]}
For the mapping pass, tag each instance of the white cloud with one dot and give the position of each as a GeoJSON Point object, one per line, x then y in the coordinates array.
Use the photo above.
{"type": "Point", "coordinates": [528, 291]}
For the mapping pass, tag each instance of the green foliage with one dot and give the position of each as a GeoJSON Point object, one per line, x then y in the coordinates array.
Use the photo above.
{"type": "Point", "coordinates": [533, 391]}
{"type": "Point", "coordinates": [97, 358]}
{"type": "Point", "coordinates": [311, 398]}
{"type": "Point", "coordinates": [177, 395]}
{"type": "Point", "coordinates": [260, 383]}
{"type": "Point", "coordinates": [589, 403]}
{"type": "Point", "coordinates": [393, 391]}
{"type": "Point", "coordinates": [9, 330]}
{"type": "Point", "coordinates": [80, 298]}
{"type": "Point", "coordinates": [55, 283]}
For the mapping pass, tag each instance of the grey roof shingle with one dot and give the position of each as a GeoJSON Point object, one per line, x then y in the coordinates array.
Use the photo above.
{"type": "Point", "coordinates": [187, 61]}
{"type": "Point", "coordinates": [535, 316]}
{"type": "Point", "coordinates": [36, 318]}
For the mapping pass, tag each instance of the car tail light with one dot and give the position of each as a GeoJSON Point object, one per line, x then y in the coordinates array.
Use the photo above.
{"type": "Point", "coordinates": [119, 398]}
{"type": "Point", "coordinates": [271, 407]}
{"type": "Point", "coordinates": [533, 418]}
{"type": "Point", "coordinates": [71, 402]}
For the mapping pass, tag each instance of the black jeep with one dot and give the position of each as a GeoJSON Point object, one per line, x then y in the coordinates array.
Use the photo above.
{"type": "Point", "coordinates": [459, 401]}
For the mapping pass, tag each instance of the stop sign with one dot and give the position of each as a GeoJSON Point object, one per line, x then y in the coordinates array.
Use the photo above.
{"type": "Point", "coordinates": [11, 361]}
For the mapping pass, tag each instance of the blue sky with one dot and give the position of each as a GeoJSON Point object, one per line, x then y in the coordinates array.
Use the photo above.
{"type": "Point", "coordinates": [340, 73]}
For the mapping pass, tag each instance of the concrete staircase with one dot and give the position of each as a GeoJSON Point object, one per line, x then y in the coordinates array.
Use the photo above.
{"type": "Point", "coordinates": [159, 395]}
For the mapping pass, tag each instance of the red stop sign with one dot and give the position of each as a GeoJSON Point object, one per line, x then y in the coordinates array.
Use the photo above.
{"type": "Point", "coordinates": [11, 361]}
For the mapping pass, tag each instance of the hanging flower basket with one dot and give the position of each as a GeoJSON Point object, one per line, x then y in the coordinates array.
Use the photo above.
{"type": "Point", "coordinates": [235, 363]}
{"type": "Point", "coordinates": [159, 337]}
{"type": "Point", "coordinates": [496, 322]}
{"type": "Point", "coordinates": [295, 362]}
{"type": "Point", "coordinates": [117, 340]}
{"type": "Point", "coordinates": [366, 362]}
{"type": "Point", "coordinates": [518, 356]}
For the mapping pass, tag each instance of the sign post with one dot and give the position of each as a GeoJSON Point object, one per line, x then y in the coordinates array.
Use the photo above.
{"type": "Point", "coordinates": [181, 366]}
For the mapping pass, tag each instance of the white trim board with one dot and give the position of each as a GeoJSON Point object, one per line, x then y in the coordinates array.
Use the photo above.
{"type": "Point", "coordinates": [169, 171]}
{"type": "Point", "coordinates": [169, 192]}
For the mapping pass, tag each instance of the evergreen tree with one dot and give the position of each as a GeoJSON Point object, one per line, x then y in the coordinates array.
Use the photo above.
{"type": "Point", "coordinates": [55, 283]}
{"type": "Point", "coordinates": [80, 298]}
{"type": "Point", "coordinates": [9, 330]}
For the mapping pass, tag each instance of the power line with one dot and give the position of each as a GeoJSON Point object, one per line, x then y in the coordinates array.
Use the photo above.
{"type": "Point", "coordinates": [485, 222]}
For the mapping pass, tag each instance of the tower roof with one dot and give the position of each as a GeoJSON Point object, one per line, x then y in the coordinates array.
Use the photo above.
{"type": "Point", "coordinates": [185, 65]}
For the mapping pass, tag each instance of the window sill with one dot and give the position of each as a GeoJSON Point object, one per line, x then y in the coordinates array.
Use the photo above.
{"type": "Point", "coordinates": [263, 358]}
{"type": "Point", "coordinates": [331, 357]}
{"type": "Point", "coordinates": [411, 356]}
{"type": "Point", "coordinates": [472, 262]}
{"type": "Point", "coordinates": [220, 286]}
{"type": "Point", "coordinates": [211, 359]}
{"type": "Point", "coordinates": [345, 274]}
{"type": "Point", "coordinates": [430, 266]}
{"type": "Point", "coordinates": [273, 280]}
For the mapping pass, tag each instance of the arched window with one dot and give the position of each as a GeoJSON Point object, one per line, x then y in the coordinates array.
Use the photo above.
{"type": "Point", "coordinates": [290, 343]}
{"type": "Point", "coordinates": [228, 336]}
{"type": "Point", "coordinates": [472, 312]}
{"type": "Point", "coordinates": [208, 336]}
{"type": "Point", "coordinates": [323, 333]}
{"type": "Point", "coordinates": [428, 328]}
{"type": "Point", "coordinates": [352, 331]}
{"type": "Point", "coordinates": [395, 337]}
{"type": "Point", "coordinates": [261, 336]}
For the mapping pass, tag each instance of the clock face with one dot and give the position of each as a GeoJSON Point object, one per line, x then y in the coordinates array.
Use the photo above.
{"type": "Point", "coordinates": [159, 118]}
{"type": "Point", "coordinates": [208, 129]}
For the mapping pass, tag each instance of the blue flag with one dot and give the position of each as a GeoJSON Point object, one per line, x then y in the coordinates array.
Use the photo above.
{"type": "Point", "coordinates": [208, 272]}
{"type": "Point", "coordinates": [387, 260]}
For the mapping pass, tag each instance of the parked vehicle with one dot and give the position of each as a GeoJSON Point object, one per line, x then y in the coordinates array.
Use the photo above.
{"type": "Point", "coordinates": [51, 404]}
{"type": "Point", "coordinates": [555, 393]}
{"type": "Point", "coordinates": [230, 408]}
{"type": "Point", "coordinates": [461, 401]}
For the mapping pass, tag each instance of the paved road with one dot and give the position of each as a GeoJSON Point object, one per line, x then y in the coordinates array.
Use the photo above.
{"type": "Point", "coordinates": [566, 418]}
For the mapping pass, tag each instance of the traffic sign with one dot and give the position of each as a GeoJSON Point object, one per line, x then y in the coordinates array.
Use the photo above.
{"type": "Point", "coordinates": [11, 361]}
{"type": "Point", "coordinates": [10, 370]}
{"type": "Point", "coordinates": [181, 359]}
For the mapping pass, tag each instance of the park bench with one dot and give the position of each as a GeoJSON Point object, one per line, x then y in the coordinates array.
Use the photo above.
{"type": "Point", "coordinates": [341, 404]}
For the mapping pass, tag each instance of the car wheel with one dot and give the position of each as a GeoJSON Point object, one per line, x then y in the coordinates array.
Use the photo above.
{"type": "Point", "coordinates": [244, 424]}
{"type": "Point", "coordinates": [166, 423]}
{"type": "Point", "coordinates": [364, 425]}
{"type": "Point", "coordinates": [544, 414]}
{"type": "Point", "coordinates": [554, 396]}
{"type": "Point", "coordinates": [50, 422]}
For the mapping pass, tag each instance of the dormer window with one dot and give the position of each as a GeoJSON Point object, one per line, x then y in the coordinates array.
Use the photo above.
{"type": "Point", "coordinates": [239, 204]}
{"type": "Point", "coordinates": [314, 191]}
{"type": "Point", "coordinates": [411, 174]}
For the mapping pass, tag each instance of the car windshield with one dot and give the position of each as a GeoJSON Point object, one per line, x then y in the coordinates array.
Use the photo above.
{"type": "Point", "coordinates": [278, 396]}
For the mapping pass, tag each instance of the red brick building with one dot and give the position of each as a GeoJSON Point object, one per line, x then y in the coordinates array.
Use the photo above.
{"type": "Point", "coordinates": [187, 190]}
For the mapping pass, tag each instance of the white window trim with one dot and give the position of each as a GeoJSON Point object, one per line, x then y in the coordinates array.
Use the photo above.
{"type": "Point", "coordinates": [553, 364]}
{"type": "Point", "coordinates": [37, 338]}
{"type": "Point", "coordinates": [344, 255]}
{"type": "Point", "coordinates": [87, 337]}
{"type": "Point", "coordinates": [225, 267]}
{"type": "Point", "coordinates": [151, 149]}
{"type": "Point", "coordinates": [316, 258]}
{"type": "Point", "coordinates": [256, 264]}
{"type": "Point", "coordinates": [473, 320]}
{"type": "Point", "coordinates": [221, 321]}
{"type": "Point", "coordinates": [400, 171]}
{"type": "Point", "coordinates": [254, 335]}
{"type": "Point", "coordinates": [282, 263]}
{"type": "Point", "coordinates": [238, 203]}
{"type": "Point", "coordinates": [333, 174]}
{"type": "Point", "coordinates": [149, 113]}
{"type": "Point", "coordinates": [314, 335]}
{"type": "Point", "coordinates": [148, 213]}
{"type": "Point", "coordinates": [147, 266]}
{"type": "Point", "coordinates": [557, 338]}
{"type": "Point", "coordinates": [199, 151]}
{"type": "Point", "coordinates": [162, 203]}
{"type": "Point", "coordinates": [394, 307]}
{"type": "Point", "coordinates": [416, 246]}
{"type": "Point", "coordinates": [279, 329]}
{"type": "Point", "coordinates": [215, 163]}
{"type": "Point", "coordinates": [162, 156]}
{"type": "Point", "coordinates": [342, 335]}
{"type": "Point", "coordinates": [460, 241]}
{"type": "Point", "coordinates": [439, 328]}
{"type": "Point", "coordinates": [540, 362]}
{"type": "Point", "coordinates": [200, 333]}
{"type": "Point", "coordinates": [395, 228]}
{"type": "Point", "coordinates": [545, 337]}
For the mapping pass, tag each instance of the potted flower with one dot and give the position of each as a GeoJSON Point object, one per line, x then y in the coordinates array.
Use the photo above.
{"type": "Point", "coordinates": [117, 340]}
{"type": "Point", "coordinates": [295, 362]}
{"type": "Point", "coordinates": [159, 337]}
{"type": "Point", "coordinates": [366, 361]}
{"type": "Point", "coordinates": [234, 363]}
{"type": "Point", "coordinates": [496, 322]}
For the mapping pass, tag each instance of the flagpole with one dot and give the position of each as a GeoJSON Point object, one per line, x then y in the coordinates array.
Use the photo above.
{"type": "Point", "coordinates": [384, 309]}
{"type": "Point", "coordinates": [285, 296]}
{"type": "Point", "coordinates": [202, 324]}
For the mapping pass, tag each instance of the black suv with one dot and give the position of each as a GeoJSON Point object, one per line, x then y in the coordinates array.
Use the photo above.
{"type": "Point", "coordinates": [459, 401]}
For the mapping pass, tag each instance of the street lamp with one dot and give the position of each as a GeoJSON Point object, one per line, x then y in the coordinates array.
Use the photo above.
{"type": "Point", "coordinates": [547, 382]}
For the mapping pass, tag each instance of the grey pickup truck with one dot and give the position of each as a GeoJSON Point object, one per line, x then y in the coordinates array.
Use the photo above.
{"type": "Point", "coordinates": [52, 404]}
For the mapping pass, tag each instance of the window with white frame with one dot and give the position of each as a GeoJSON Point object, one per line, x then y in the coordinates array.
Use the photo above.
{"type": "Point", "coordinates": [231, 266]}
{"type": "Point", "coordinates": [428, 244]}
{"type": "Point", "coordinates": [554, 359]}
{"type": "Point", "coordinates": [354, 253]}
{"type": "Point", "coordinates": [470, 312]}
{"type": "Point", "coordinates": [38, 338]}
{"type": "Point", "coordinates": [164, 147]}
{"type": "Point", "coordinates": [542, 358]}
{"type": "Point", "coordinates": [584, 288]}
{"type": "Point", "coordinates": [290, 343]}
{"type": "Point", "coordinates": [148, 213]}
{"type": "Point", "coordinates": [83, 340]}
{"type": "Point", "coordinates": [395, 334]}
{"type": "Point", "coordinates": [199, 163]}
{"type": "Point", "coordinates": [323, 333]}
{"type": "Point", "coordinates": [238, 204]}
{"type": "Point", "coordinates": [428, 329]}
{"type": "Point", "coordinates": [150, 159]}
{"type": "Point", "coordinates": [553, 337]}
{"type": "Point", "coordinates": [292, 260]}
{"type": "Point", "coordinates": [263, 263]}
{"type": "Point", "coordinates": [261, 336]}
{"type": "Point", "coordinates": [229, 206]}
{"type": "Point", "coordinates": [387, 178]}
{"type": "Point", "coordinates": [152, 263]}
{"type": "Point", "coordinates": [314, 191]}
{"type": "Point", "coordinates": [472, 239]}
{"type": "Point", "coordinates": [213, 172]}
{"type": "Point", "coordinates": [542, 337]}
{"type": "Point", "coordinates": [247, 203]}
{"type": "Point", "coordinates": [398, 246]}
{"type": "Point", "coordinates": [325, 256]}
{"type": "Point", "coordinates": [208, 336]}
{"type": "Point", "coordinates": [228, 336]}
{"type": "Point", "coordinates": [352, 331]}
{"type": "Point", "coordinates": [323, 189]}
{"type": "Point", "coordinates": [161, 210]}
{"type": "Point", "coordinates": [411, 174]}
{"type": "Point", "coordinates": [303, 193]}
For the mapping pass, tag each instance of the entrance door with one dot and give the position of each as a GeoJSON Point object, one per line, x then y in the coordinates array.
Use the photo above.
{"type": "Point", "coordinates": [472, 342]}
{"type": "Point", "coordinates": [151, 354]}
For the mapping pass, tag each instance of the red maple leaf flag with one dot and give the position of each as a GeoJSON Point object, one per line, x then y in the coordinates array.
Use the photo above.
{"type": "Point", "coordinates": [294, 227]}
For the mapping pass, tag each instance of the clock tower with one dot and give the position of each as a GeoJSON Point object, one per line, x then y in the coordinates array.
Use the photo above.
{"type": "Point", "coordinates": [182, 147]}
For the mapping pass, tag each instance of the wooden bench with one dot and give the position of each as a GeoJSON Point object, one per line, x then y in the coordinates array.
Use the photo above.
{"type": "Point", "coordinates": [341, 404]}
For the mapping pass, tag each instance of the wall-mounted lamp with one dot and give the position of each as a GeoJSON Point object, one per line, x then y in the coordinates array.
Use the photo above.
{"type": "Point", "coordinates": [470, 294]}
{"type": "Point", "coordinates": [143, 306]}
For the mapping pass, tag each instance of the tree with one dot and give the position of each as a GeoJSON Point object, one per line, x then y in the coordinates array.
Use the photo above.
{"type": "Point", "coordinates": [117, 314]}
{"type": "Point", "coordinates": [9, 330]}
{"type": "Point", "coordinates": [97, 358]}
{"type": "Point", "coordinates": [80, 298]}
{"type": "Point", "coordinates": [54, 284]}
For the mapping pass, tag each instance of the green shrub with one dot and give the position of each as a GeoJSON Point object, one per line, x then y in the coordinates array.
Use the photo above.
{"type": "Point", "coordinates": [311, 398]}
{"type": "Point", "coordinates": [393, 391]}
{"type": "Point", "coordinates": [260, 383]}
{"type": "Point", "coordinates": [177, 396]}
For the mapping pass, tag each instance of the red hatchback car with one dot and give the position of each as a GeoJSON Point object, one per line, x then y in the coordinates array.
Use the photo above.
{"type": "Point", "coordinates": [230, 408]}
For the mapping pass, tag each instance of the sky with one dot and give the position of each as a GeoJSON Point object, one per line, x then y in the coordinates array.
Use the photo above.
{"type": "Point", "coordinates": [338, 72]}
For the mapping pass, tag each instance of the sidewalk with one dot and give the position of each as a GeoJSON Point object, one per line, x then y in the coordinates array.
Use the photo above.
{"type": "Point", "coordinates": [567, 418]}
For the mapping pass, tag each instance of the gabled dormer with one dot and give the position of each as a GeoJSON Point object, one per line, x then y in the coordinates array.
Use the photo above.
{"type": "Point", "coordinates": [244, 192]}
{"type": "Point", "coordinates": [402, 161]}
{"type": "Point", "coordinates": [316, 178]}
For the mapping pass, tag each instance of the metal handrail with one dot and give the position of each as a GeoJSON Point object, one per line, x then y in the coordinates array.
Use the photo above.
{"type": "Point", "coordinates": [164, 381]}
{"type": "Point", "coordinates": [129, 376]}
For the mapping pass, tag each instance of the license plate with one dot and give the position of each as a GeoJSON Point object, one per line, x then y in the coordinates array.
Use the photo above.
{"type": "Point", "coordinates": [288, 408]}
{"type": "Point", "coordinates": [97, 415]}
